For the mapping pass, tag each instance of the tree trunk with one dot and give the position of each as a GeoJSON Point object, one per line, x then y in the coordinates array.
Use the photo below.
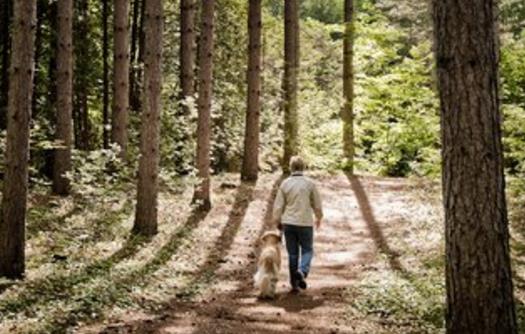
{"type": "Point", "coordinates": [82, 69]}
{"type": "Point", "coordinates": [5, 44]}
{"type": "Point", "coordinates": [62, 163]}
{"type": "Point", "coordinates": [187, 51]}
{"type": "Point", "coordinates": [119, 126]}
{"type": "Point", "coordinates": [348, 88]}
{"type": "Point", "coordinates": [105, 74]}
{"type": "Point", "coordinates": [478, 270]}
{"type": "Point", "coordinates": [52, 66]}
{"type": "Point", "coordinates": [41, 11]}
{"type": "Point", "coordinates": [202, 189]}
{"type": "Point", "coordinates": [133, 85]}
{"type": "Point", "coordinates": [250, 164]}
{"type": "Point", "coordinates": [147, 190]}
{"type": "Point", "coordinates": [291, 69]}
{"type": "Point", "coordinates": [13, 216]}
{"type": "Point", "coordinates": [136, 101]}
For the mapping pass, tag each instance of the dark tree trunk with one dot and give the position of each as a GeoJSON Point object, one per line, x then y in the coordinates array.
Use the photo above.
{"type": "Point", "coordinates": [205, 65]}
{"type": "Point", "coordinates": [348, 88]}
{"type": "Point", "coordinates": [147, 190]}
{"type": "Point", "coordinates": [82, 84]}
{"type": "Point", "coordinates": [62, 162]}
{"type": "Point", "coordinates": [478, 270]}
{"type": "Point", "coordinates": [136, 101]}
{"type": "Point", "coordinates": [250, 164]}
{"type": "Point", "coordinates": [134, 91]}
{"type": "Point", "coordinates": [52, 66]}
{"type": "Point", "coordinates": [187, 51]}
{"type": "Point", "coordinates": [291, 69]}
{"type": "Point", "coordinates": [14, 199]}
{"type": "Point", "coordinates": [5, 44]}
{"type": "Point", "coordinates": [41, 11]}
{"type": "Point", "coordinates": [105, 74]}
{"type": "Point", "coordinates": [119, 125]}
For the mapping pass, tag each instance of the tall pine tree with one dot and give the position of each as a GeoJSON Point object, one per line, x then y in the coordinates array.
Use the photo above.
{"type": "Point", "coordinates": [205, 77]}
{"type": "Point", "coordinates": [14, 199]}
{"type": "Point", "coordinates": [147, 189]}
{"type": "Point", "coordinates": [64, 105]}
{"type": "Point", "coordinates": [250, 164]}
{"type": "Point", "coordinates": [478, 272]}
{"type": "Point", "coordinates": [291, 69]}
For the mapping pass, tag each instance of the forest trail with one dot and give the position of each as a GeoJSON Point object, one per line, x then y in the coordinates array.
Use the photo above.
{"type": "Point", "coordinates": [357, 211]}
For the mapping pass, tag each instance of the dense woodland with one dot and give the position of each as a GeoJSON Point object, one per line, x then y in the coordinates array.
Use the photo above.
{"type": "Point", "coordinates": [129, 109]}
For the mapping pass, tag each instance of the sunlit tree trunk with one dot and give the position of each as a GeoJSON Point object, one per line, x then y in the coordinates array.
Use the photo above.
{"type": "Point", "coordinates": [13, 215]}
{"type": "Point", "coordinates": [62, 163]}
{"type": "Point", "coordinates": [348, 88]}
{"type": "Point", "coordinates": [119, 126]}
{"type": "Point", "coordinates": [478, 270]}
{"type": "Point", "coordinates": [250, 165]}
{"type": "Point", "coordinates": [205, 65]}
{"type": "Point", "coordinates": [147, 189]}
{"type": "Point", "coordinates": [291, 69]}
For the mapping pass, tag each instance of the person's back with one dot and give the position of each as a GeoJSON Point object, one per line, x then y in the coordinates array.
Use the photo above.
{"type": "Point", "coordinates": [300, 198]}
{"type": "Point", "coordinates": [297, 201]}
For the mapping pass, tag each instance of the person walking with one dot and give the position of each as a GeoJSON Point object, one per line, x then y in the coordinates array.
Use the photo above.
{"type": "Point", "coordinates": [297, 202]}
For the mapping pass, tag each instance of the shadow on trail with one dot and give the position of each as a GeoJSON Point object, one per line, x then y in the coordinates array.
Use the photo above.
{"type": "Point", "coordinates": [46, 289]}
{"type": "Point", "coordinates": [115, 289]}
{"type": "Point", "coordinates": [208, 272]}
{"type": "Point", "coordinates": [218, 252]}
{"type": "Point", "coordinates": [295, 303]}
{"type": "Point", "coordinates": [108, 288]}
{"type": "Point", "coordinates": [373, 226]}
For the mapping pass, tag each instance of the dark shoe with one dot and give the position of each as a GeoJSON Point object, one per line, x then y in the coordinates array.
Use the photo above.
{"type": "Point", "coordinates": [294, 291]}
{"type": "Point", "coordinates": [300, 280]}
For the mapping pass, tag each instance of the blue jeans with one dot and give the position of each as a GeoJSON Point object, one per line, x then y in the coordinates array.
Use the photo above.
{"type": "Point", "coordinates": [299, 244]}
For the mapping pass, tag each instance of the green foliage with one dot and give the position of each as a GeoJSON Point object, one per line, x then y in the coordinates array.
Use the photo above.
{"type": "Point", "coordinates": [326, 11]}
{"type": "Point", "coordinates": [417, 302]}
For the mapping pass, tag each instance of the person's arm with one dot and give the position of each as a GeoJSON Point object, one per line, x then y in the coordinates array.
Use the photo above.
{"type": "Point", "coordinates": [317, 206]}
{"type": "Point", "coordinates": [278, 208]}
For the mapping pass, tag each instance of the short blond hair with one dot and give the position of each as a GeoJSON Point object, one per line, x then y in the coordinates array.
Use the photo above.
{"type": "Point", "coordinates": [297, 164]}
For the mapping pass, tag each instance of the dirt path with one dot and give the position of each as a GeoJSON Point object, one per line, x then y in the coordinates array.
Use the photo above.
{"type": "Point", "coordinates": [357, 211]}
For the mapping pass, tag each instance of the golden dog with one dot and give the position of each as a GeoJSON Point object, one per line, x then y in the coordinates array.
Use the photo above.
{"type": "Point", "coordinates": [269, 264]}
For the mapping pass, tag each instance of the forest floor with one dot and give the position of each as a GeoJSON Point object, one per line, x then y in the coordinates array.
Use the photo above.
{"type": "Point", "coordinates": [377, 269]}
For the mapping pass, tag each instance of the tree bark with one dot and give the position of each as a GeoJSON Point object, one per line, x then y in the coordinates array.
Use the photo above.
{"type": "Point", "coordinates": [119, 126]}
{"type": "Point", "coordinates": [250, 166]}
{"type": "Point", "coordinates": [478, 270]}
{"type": "Point", "coordinates": [6, 46]}
{"type": "Point", "coordinates": [13, 216]}
{"type": "Point", "coordinates": [41, 11]}
{"type": "Point", "coordinates": [62, 163]}
{"type": "Point", "coordinates": [82, 68]}
{"type": "Point", "coordinates": [291, 69]}
{"type": "Point", "coordinates": [187, 51]}
{"type": "Point", "coordinates": [52, 65]}
{"type": "Point", "coordinates": [105, 74]}
{"type": "Point", "coordinates": [205, 65]}
{"type": "Point", "coordinates": [135, 26]}
{"type": "Point", "coordinates": [147, 190]}
{"type": "Point", "coordinates": [348, 88]}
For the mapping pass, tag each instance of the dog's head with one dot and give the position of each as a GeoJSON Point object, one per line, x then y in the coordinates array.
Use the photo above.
{"type": "Point", "coordinates": [271, 237]}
